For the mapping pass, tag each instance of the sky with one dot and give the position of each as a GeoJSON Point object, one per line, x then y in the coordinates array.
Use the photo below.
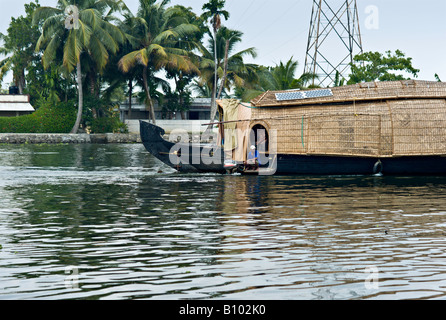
{"type": "Point", "coordinates": [279, 29]}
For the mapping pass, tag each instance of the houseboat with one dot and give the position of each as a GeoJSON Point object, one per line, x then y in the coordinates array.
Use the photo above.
{"type": "Point", "coordinates": [389, 128]}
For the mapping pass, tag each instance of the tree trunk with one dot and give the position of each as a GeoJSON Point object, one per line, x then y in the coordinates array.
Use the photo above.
{"type": "Point", "coordinates": [22, 82]}
{"type": "Point", "coordinates": [81, 99]}
{"type": "Point", "coordinates": [223, 80]}
{"type": "Point", "coordinates": [20, 86]}
{"type": "Point", "coordinates": [19, 81]}
{"type": "Point", "coordinates": [149, 98]}
{"type": "Point", "coordinates": [92, 79]}
{"type": "Point", "coordinates": [129, 114]}
{"type": "Point", "coordinates": [180, 90]}
{"type": "Point", "coordinates": [214, 88]}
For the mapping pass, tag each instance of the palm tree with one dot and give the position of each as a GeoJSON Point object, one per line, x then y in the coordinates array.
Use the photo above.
{"type": "Point", "coordinates": [279, 77]}
{"type": "Point", "coordinates": [214, 11]}
{"type": "Point", "coordinates": [159, 33]}
{"type": "Point", "coordinates": [283, 76]}
{"type": "Point", "coordinates": [338, 82]}
{"type": "Point", "coordinates": [201, 89]}
{"type": "Point", "coordinates": [231, 68]}
{"type": "Point", "coordinates": [113, 76]}
{"type": "Point", "coordinates": [193, 43]}
{"type": "Point", "coordinates": [90, 36]}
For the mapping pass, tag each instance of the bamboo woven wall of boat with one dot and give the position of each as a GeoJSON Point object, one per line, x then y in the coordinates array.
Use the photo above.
{"type": "Point", "coordinates": [383, 119]}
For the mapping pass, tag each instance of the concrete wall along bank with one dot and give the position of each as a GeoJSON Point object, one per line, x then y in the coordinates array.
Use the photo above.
{"type": "Point", "coordinates": [37, 138]}
{"type": "Point", "coordinates": [132, 137]}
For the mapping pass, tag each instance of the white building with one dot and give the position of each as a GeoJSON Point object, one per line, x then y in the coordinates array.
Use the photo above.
{"type": "Point", "coordinates": [15, 105]}
{"type": "Point", "coordinates": [200, 109]}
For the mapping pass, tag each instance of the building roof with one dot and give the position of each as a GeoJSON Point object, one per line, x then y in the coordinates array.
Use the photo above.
{"type": "Point", "coordinates": [201, 102]}
{"type": "Point", "coordinates": [17, 103]}
{"type": "Point", "coordinates": [196, 104]}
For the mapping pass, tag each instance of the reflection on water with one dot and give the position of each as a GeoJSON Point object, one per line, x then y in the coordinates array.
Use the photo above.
{"type": "Point", "coordinates": [111, 222]}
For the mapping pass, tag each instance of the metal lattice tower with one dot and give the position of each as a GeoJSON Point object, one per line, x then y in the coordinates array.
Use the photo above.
{"type": "Point", "coordinates": [334, 39]}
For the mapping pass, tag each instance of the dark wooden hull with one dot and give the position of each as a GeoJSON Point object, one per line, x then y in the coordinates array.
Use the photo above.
{"type": "Point", "coordinates": [415, 165]}
{"type": "Point", "coordinates": [325, 165]}
{"type": "Point", "coordinates": [183, 157]}
{"type": "Point", "coordinates": [206, 158]}
{"type": "Point", "coordinates": [331, 165]}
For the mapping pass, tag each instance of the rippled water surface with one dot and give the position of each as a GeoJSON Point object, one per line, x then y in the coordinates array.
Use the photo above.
{"type": "Point", "coordinates": [112, 222]}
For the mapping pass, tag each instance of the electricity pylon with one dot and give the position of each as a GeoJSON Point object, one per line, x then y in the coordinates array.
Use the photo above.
{"type": "Point", "coordinates": [334, 39]}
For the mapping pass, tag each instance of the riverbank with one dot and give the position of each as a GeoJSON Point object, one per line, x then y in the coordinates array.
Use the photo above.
{"type": "Point", "coordinates": [54, 138]}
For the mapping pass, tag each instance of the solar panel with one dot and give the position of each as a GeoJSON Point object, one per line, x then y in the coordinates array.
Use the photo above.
{"type": "Point", "coordinates": [319, 93]}
{"type": "Point", "coordinates": [298, 95]}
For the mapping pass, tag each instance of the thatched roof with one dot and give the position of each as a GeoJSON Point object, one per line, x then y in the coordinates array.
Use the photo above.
{"type": "Point", "coordinates": [369, 91]}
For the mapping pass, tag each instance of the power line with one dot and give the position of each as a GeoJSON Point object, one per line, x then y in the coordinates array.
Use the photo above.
{"type": "Point", "coordinates": [244, 12]}
{"type": "Point", "coordinates": [240, 22]}
{"type": "Point", "coordinates": [276, 48]}
{"type": "Point", "coordinates": [287, 11]}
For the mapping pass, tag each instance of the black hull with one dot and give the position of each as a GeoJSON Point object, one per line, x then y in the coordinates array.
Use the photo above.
{"type": "Point", "coordinates": [326, 165]}
{"type": "Point", "coordinates": [421, 165]}
{"type": "Point", "coordinates": [331, 165]}
{"type": "Point", "coordinates": [204, 158]}
{"type": "Point", "coordinates": [188, 157]}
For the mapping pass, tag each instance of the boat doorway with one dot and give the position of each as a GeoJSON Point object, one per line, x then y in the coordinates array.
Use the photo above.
{"type": "Point", "coordinates": [259, 137]}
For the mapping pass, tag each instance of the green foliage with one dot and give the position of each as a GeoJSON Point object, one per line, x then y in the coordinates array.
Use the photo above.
{"type": "Point", "coordinates": [18, 46]}
{"type": "Point", "coordinates": [178, 101]}
{"type": "Point", "coordinates": [280, 77]}
{"type": "Point", "coordinates": [47, 119]}
{"type": "Point", "coordinates": [165, 40]}
{"type": "Point", "coordinates": [95, 37]}
{"type": "Point", "coordinates": [87, 44]}
{"type": "Point", "coordinates": [214, 9]}
{"type": "Point", "coordinates": [48, 86]}
{"type": "Point", "coordinates": [106, 119]}
{"type": "Point", "coordinates": [233, 71]}
{"type": "Point", "coordinates": [374, 66]}
{"type": "Point", "coordinates": [52, 85]}
{"type": "Point", "coordinates": [108, 124]}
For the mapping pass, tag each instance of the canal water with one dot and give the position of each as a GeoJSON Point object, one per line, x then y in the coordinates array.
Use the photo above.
{"type": "Point", "coordinates": [111, 222]}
